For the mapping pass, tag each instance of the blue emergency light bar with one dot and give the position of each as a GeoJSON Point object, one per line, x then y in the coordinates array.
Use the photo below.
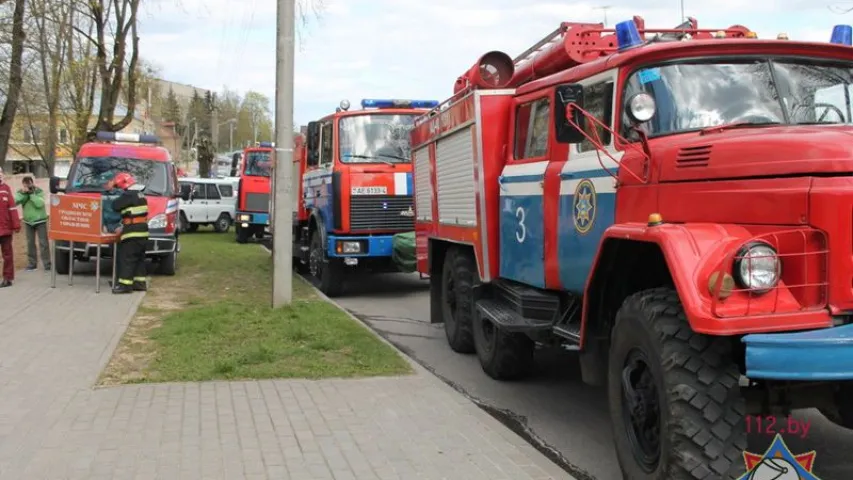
{"type": "Point", "coordinates": [265, 145]}
{"type": "Point", "coordinates": [376, 103]}
{"type": "Point", "coordinates": [842, 35]}
{"type": "Point", "coordinates": [127, 137]}
{"type": "Point", "coordinates": [627, 35]}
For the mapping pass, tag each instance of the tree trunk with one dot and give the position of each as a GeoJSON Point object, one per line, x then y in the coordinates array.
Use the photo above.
{"type": "Point", "coordinates": [10, 109]}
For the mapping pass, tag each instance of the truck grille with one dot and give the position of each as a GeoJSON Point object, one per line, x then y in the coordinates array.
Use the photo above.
{"type": "Point", "coordinates": [380, 212]}
{"type": "Point", "coordinates": [257, 202]}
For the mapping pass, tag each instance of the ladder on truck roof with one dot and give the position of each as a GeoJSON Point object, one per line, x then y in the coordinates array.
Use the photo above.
{"type": "Point", "coordinates": [575, 43]}
{"type": "Point", "coordinates": [549, 41]}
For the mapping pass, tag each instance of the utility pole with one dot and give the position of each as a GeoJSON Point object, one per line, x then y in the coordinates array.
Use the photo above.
{"type": "Point", "coordinates": [230, 136]}
{"type": "Point", "coordinates": [282, 211]}
{"type": "Point", "coordinates": [604, 10]}
{"type": "Point", "coordinates": [683, 18]}
{"type": "Point", "coordinates": [214, 128]}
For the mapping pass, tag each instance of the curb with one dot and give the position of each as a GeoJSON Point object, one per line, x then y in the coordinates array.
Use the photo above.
{"type": "Point", "coordinates": [486, 413]}
{"type": "Point", "coordinates": [416, 367]}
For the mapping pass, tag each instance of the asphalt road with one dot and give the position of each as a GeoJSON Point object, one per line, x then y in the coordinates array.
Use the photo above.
{"type": "Point", "coordinates": [554, 409]}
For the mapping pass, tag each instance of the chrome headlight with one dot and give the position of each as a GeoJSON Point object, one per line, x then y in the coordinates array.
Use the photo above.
{"type": "Point", "coordinates": [158, 221]}
{"type": "Point", "coordinates": [757, 267]}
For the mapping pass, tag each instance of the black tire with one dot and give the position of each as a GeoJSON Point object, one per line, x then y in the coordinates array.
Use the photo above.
{"type": "Point", "coordinates": [327, 275]}
{"type": "Point", "coordinates": [167, 265]}
{"type": "Point", "coordinates": [183, 223]}
{"type": "Point", "coordinates": [223, 223]}
{"type": "Point", "coordinates": [260, 234]}
{"type": "Point", "coordinates": [458, 278]}
{"type": "Point", "coordinates": [242, 234]}
{"type": "Point", "coordinates": [192, 227]}
{"type": "Point", "coordinates": [692, 382]}
{"type": "Point", "coordinates": [842, 414]}
{"type": "Point", "coordinates": [61, 262]}
{"type": "Point", "coordinates": [503, 355]}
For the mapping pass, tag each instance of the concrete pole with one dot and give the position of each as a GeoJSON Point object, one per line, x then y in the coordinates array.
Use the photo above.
{"type": "Point", "coordinates": [282, 253]}
{"type": "Point", "coordinates": [230, 136]}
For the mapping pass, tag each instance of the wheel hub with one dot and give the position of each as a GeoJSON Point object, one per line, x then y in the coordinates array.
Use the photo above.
{"type": "Point", "coordinates": [641, 410]}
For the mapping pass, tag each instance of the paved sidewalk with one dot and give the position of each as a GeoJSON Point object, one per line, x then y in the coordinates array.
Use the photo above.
{"type": "Point", "coordinates": [54, 425]}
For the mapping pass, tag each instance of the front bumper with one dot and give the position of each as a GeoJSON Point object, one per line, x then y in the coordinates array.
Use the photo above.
{"type": "Point", "coordinates": [814, 355]}
{"type": "Point", "coordinates": [373, 246]}
{"type": "Point", "coordinates": [244, 219]}
{"type": "Point", "coordinates": [157, 245]}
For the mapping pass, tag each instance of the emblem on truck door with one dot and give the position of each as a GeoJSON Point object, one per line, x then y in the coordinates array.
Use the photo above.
{"type": "Point", "coordinates": [407, 213]}
{"type": "Point", "coordinates": [583, 206]}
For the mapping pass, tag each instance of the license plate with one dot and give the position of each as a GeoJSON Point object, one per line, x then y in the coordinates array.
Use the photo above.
{"type": "Point", "coordinates": [369, 190]}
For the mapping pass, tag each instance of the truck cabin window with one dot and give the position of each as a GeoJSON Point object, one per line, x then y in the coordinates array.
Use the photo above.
{"type": "Point", "coordinates": [90, 174]}
{"type": "Point", "coordinates": [377, 138]}
{"type": "Point", "coordinates": [532, 129]}
{"type": "Point", "coordinates": [258, 164]}
{"type": "Point", "coordinates": [694, 95]}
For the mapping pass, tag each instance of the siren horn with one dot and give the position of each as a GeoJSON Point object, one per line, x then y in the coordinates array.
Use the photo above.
{"type": "Point", "coordinates": [492, 70]}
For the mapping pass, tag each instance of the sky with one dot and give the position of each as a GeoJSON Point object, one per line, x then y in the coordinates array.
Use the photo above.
{"type": "Point", "coordinates": [356, 49]}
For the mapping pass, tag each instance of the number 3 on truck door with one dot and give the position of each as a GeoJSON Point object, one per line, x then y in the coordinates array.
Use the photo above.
{"type": "Point", "coordinates": [521, 234]}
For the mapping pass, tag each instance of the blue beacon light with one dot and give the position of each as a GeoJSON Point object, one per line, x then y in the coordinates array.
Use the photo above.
{"type": "Point", "coordinates": [382, 103]}
{"type": "Point", "coordinates": [842, 35]}
{"type": "Point", "coordinates": [627, 35]}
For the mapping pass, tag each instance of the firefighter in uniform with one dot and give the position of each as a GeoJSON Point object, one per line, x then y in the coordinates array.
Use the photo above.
{"type": "Point", "coordinates": [133, 234]}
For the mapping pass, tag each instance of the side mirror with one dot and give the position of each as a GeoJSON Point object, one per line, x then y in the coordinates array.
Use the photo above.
{"type": "Point", "coordinates": [186, 192]}
{"type": "Point", "coordinates": [565, 131]}
{"type": "Point", "coordinates": [313, 143]}
{"type": "Point", "coordinates": [54, 186]}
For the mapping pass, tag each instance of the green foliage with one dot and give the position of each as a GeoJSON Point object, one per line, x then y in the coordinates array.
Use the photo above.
{"type": "Point", "coordinates": [172, 109]}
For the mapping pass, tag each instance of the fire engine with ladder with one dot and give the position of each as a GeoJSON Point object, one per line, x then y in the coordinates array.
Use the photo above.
{"type": "Point", "coordinates": [674, 204]}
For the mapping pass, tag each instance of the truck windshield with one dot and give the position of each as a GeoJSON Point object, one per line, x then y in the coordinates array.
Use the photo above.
{"type": "Point", "coordinates": [258, 164]}
{"type": "Point", "coordinates": [694, 95]}
{"type": "Point", "coordinates": [90, 174]}
{"type": "Point", "coordinates": [378, 138]}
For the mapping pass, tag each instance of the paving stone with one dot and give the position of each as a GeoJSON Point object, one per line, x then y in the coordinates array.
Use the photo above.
{"type": "Point", "coordinates": [54, 424]}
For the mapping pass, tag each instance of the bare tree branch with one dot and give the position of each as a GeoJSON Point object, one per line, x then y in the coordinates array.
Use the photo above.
{"type": "Point", "coordinates": [10, 108]}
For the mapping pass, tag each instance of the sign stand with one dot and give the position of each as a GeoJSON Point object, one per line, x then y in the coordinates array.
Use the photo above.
{"type": "Point", "coordinates": [79, 219]}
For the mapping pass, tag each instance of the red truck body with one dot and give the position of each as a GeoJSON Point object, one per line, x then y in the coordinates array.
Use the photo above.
{"type": "Point", "coordinates": [151, 165]}
{"type": "Point", "coordinates": [674, 204]}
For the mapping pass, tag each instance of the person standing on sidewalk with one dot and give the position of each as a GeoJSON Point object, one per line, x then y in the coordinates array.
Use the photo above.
{"type": "Point", "coordinates": [31, 200]}
{"type": "Point", "coordinates": [10, 224]}
{"type": "Point", "coordinates": [133, 234]}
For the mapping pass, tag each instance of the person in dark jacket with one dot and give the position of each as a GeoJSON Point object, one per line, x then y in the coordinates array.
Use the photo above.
{"type": "Point", "coordinates": [133, 234]}
{"type": "Point", "coordinates": [9, 223]}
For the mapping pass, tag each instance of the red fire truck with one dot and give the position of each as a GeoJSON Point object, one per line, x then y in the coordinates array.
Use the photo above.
{"type": "Point", "coordinates": [356, 190]}
{"type": "Point", "coordinates": [143, 157]}
{"type": "Point", "coordinates": [675, 205]}
{"type": "Point", "coordinates": [253, 202]}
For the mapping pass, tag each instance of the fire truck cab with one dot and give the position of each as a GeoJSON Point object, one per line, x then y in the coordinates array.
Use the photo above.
{"type": "Point", "coordinates": [253, 201]}
{"type": "Point", "coordinates": [151, 165]}
{"type": "Point", "coordinates": [674, 204]}
{"type": "Point", "coordinates": [356, 190]}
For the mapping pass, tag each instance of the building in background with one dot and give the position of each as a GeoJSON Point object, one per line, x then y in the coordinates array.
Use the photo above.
{"type": "Point", "coordinates": [27, 142]}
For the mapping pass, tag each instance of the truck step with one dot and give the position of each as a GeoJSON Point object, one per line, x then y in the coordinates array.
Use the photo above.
{"type": "Point", "coordinates": [528, 302]}
{"type": "Point", "coordinates": [570, 332]}
{"type": "Point", "coordinates": [507, 318]}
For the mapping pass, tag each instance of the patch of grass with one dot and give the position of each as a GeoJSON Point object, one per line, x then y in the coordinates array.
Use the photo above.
{"type": "Point", "coordinates": [213, 321]}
